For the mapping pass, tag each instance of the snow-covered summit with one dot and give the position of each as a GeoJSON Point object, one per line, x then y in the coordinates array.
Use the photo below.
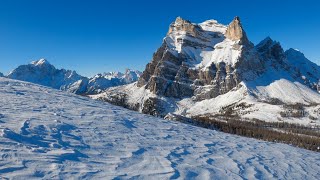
{"type": "Point", "coordinates": [40, 62]}
{"type": "Point", "coordinates": [213, 26]}
{"type": "Point", "coordinates": [206, 43]}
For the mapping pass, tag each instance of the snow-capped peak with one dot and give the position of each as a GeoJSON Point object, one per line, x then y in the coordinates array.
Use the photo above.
{"type": "Point", "coordinates": [206, 43]}
{"type": "Point", "coordinates": [40, 62]}
{"type": "Point", "coordinates": [213, 26]}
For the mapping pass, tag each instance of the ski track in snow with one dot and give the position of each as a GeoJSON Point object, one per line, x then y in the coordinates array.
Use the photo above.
{"type": "Point", "coordinates": [49, 134]}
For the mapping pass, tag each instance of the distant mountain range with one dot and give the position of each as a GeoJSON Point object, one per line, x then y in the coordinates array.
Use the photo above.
{"type": "Point", "coordinates": [43, 73]}
{"type": "Point", "coordinates": [212, 70]}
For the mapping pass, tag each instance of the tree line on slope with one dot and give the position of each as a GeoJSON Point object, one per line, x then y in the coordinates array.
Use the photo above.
{"type": "Point", "coordinates": [294, 134]}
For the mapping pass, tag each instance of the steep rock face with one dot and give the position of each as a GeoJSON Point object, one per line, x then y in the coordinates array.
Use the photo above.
{"type": "Point", "coordinates": [184, 25]}
{"type": "Point", "coordinates": [1, 75]}
{"type": "Point", "coordinates": [272, 52]}
{"type": "Point", "coordinates": [235, 31]}
{"type": "Point", "coordinates": [200, 60]}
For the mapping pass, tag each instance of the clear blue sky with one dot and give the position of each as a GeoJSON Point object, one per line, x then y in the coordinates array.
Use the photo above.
{"type": "Point", "coordinates": [98, 35]}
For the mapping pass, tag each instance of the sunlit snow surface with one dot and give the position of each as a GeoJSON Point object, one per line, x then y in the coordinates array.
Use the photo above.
{"type": "Point", "coordinates": [49, 134]}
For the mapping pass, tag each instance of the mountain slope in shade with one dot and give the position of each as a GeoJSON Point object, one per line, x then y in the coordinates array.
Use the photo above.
{"type": "Point", "coordinates": [210, 69]}
{"type": "Point", "coordinates": [50, 134]}
{"type": "Point", "coordinates": [43, 73]}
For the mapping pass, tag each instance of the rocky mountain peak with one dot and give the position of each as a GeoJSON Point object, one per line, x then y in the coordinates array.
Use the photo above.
{"type": "Point", "coordinates": [266, 42]}
{"type": "Point", "coordinates": [182, 25]}
{"type": "Point", "coordinates": [271, 49]}
{"type": "Point", "coordinates": [179, 21]}
{"type": "Point", "coordinates": [236, 32]}
{"type": "Point", "coordinates": [294, 53]}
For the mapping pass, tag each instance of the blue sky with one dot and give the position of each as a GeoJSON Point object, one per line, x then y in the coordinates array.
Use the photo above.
{"type": "Point", "coordinates": [96, 36]}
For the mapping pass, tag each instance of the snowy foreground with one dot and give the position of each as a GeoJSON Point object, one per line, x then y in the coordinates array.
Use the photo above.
{"type": "Point", "coordinates": [49, 134]}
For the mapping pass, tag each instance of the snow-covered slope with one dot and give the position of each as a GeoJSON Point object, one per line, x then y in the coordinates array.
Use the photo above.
{"type": "Point", "coordinates": [50, 134]}
{"type": "Point", "coordinates": [43, 73]}
{"type": "Point", "coordinates": [207, 68]}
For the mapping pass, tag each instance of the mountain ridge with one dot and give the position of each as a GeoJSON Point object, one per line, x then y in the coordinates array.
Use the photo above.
{"type": "Point", "coordinates": [204, 62]}
{"type": "Point", "coordinates": [43, 73]}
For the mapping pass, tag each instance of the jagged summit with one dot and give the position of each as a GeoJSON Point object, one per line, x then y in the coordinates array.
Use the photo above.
{"type": "Point", "coordinates": [236, 32]}
{"type": "Point", "coordinates": [180, 20]}
{"type": "Point", "coordinates": [271, 49]}
{"type": "Point", "coordinates": [182, 25]}
{"type": "Point", "coordinates": [267, 40]}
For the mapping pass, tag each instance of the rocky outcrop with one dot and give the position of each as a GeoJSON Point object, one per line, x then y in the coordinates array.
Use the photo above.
{"type": "Point", "coordinates": [271, 51]}
{"type": "Point", "coordinates": [184, 26]}
{"type": "Point", "coordinates": [235, 31]}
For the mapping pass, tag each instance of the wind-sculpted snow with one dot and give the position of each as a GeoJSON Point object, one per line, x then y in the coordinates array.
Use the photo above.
{"type": "Point", "coordinates": [50, 134]}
